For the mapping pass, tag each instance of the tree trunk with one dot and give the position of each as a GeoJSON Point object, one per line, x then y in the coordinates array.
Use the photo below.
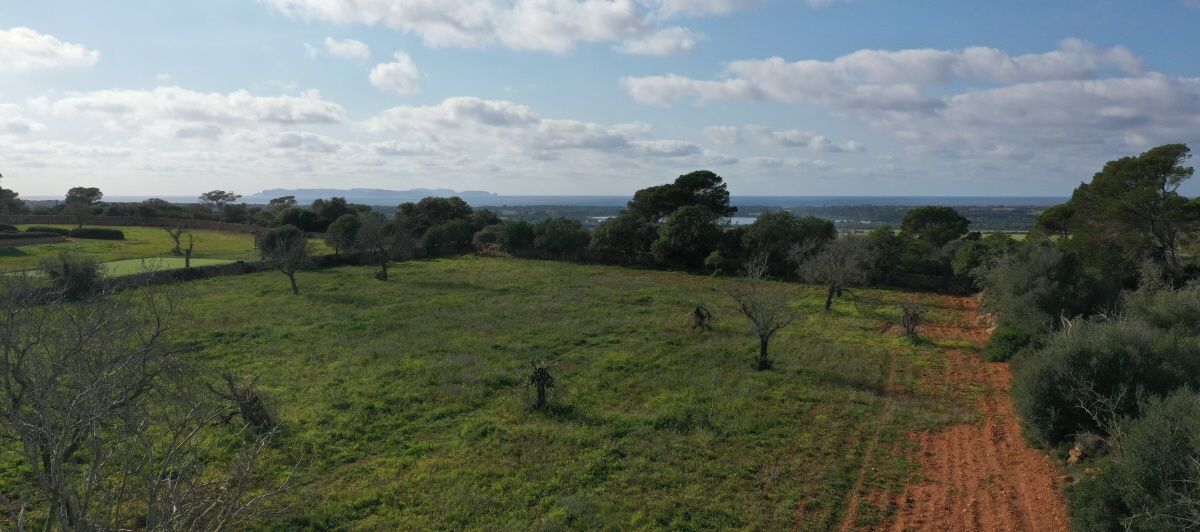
{"type": "Point", "coordinates": [383, 271]}
{"type": "Point", "coordinates": [764, 362]}
{"type": "Point", "coordinates": [295, 288]}
{"type": "Point", "coordinates": [829, 299]}
{"type": "Point", "coordinates": [541, 396]}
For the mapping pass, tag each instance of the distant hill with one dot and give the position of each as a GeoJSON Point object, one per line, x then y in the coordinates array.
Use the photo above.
{"type": "Point", "coordinates": [369, 196]}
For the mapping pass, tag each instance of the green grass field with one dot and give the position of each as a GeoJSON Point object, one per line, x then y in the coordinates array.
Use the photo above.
{"type": "Point", "coordinates": [139, 243]}
{"type": "Point", "coordinates": [403, 401]}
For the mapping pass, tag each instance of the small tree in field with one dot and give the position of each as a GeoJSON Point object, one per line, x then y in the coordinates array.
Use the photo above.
{"type": "Point", "coordinates": [79, 202]}
{"type": "Point", "coordinates": [541, 381]}
{"type": "Point", "coordinates": [840, 265]}
{"type": "Point", "coordinates": [383, 242]}
{"type": "Point", "coordinates": [765, 306]}
{"type": "Point", "coordinates": [911, 315]}
{"type": "Point", "coordinates": [176, 233]}
{"type": "Point", "coordinates": [285, 249]}
{"type": "Point", "coordinates": [342, 234]}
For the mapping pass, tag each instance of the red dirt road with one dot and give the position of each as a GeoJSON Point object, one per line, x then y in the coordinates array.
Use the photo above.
{"type": "Point", "coordinates": [979, 476]}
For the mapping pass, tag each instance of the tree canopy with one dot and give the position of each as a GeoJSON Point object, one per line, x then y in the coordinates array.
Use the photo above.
{"type": "Point", "coordinates": [697, 188]}
{"type": "Point", "coordinates": [933, 225]}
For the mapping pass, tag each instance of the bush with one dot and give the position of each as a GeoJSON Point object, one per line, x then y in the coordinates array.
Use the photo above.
{"type": "Point", "coordinates": [561, 237]}
{"type": "Point", "coordinates": [7, 228]}
{"type": "Point", "coordinates": [96, 233]}
{"type": "Point", "coordinates": [1154, 481]}
{"type": "Point", "coordinates": [42, 229]}
{"type": "Point", "coordinates": [73, 276]}
{"type": "Point", "coordinates": [1040, 283]}
{"type": "Point", "coordinates": [1006, 342]}
{"type": "Point", "coordinates": [448, 238]}
{"type": "Point", "coordinates": [7, 235]}
{"type": "Point", "coordinates": [516, 237]}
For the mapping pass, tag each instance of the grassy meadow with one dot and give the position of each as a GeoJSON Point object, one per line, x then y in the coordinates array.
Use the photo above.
{"type": "Point", "coordinates": [404, 403]}
{"type": "Point", "coordinates": [139, 243]}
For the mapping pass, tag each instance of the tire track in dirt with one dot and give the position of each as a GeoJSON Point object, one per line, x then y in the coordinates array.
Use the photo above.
{"type": "Point", "coordinates": [885, 417]}
{"type": "Point", "coordinates": [978, 476]}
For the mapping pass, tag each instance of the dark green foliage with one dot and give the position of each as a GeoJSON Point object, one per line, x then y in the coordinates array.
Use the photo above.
{"type": "Point", "coordinates": [1153, 482]}
{"type": "Point", "coordinates": [96, 233]}
{"type": "Point", "coordinates": [974, 258]}
{"type": "Point", "coordinates": [342, 234]}
{"type": "Point", "coordinates": [697, 188]}
{"type": "Point", "coordinates": [935, 226]}
{"type": "Point", "coordinates": [1131, 212]}
{"type": "Point", "coordinates": [448, 238]}
{"type": "Point", "coordinates": [54, 230]}
{"type": "Point", "coordinates": [329, 211]}
{"type": "Point", "coordinates": [419, 217]}
{"type": "Point", "coordinates": [687, 237]}
{"type": "Point", "coordinates": [886, 251]}
{"type": "Point", "coordinates": [488, 235]}
{"type": "Point", "coordinates": [481, 218]}
{"type": "Point", "coordinates": [1090, 376]}
{"type": "Point", "coordinates": [625, 236]}
{"type": "Point", "coordinates": [516, 237]}
{"type": "Point", "coordinates": [302, 219]}
{"type": "Point", "coordinates": [73, 277]}
{"type": "Point", "coordinates": [10, 202]}
{"type": "Point", "coordinates": [774, 234]}
{"type": "Point", "coordinates": [1006, 342]}
{"type": "Point", "coordinates": [560, 237]}
{"type": "Point", "coordinates": [285, 249]}
{"type": "Point", "coordinates": [1055, 221]}
{"type": "Point", "coordinates": [14, 235]}
{"type": "Point", "coordinates": [6, 227]}
{"type": "Point", "coordinates": [1039, 283]}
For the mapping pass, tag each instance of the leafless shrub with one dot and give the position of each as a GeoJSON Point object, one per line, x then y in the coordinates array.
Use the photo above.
{"type": "Point", "coordinates": [249, 403]}
{"type": "Point", "coordinates": [540, 380]}
{"type": "Point", "coordinates": [911, 315]}
{"type": "Point", "coordinates": [765, 306]}
{"type": "Point", "coordinates": [701, 317]}
{"type": "Point", "coordinates": [838, 266]}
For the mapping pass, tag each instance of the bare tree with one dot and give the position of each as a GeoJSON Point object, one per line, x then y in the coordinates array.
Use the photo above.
{"type": "Point", "coordinates": [838, 266]}
{"type": "Point", "coordinates": [383, 242]}
{"type": "Point", "coordinates": [701, 317]}
{"type": "Point", "coordinates": [911, 315]}
{"type": "Point", "coordinates": [764, 305]}
{"type": "Point", "coordinates": [108, 419]}
{"type": "Point", "coordinates": [176, 233]}
{"type": "Point", "coordinates": [541, 381]}
{"type": "Point", "coordinates": [285, 249]}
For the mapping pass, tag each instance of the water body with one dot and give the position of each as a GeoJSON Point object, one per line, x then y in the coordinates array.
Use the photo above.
{"type": "Point", "coordinates": [498, 200]}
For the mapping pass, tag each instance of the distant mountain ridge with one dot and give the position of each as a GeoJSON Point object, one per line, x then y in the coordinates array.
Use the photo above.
{"type": "Point", "coordinates": [370, 196]}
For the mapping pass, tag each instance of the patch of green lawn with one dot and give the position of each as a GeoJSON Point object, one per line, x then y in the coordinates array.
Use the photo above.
{"type": "Point", "coordinates": [404, 401]}
{"type": "Point", "coordinates": [140, 242]}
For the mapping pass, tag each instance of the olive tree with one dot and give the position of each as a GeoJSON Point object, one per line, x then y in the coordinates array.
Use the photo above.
{"type": "Point", "coordinates": [79, 202]}
{"type": "Point", "coordinates": [764, 305]}
{"type": "Point", "coordinates": [840, 265]}
{"type": "Point", "coordinates": [285, 249]}
{"type": "Point", "coordinates": [383, 242]}
{"type": "Point", "coordinates": [110, 420]}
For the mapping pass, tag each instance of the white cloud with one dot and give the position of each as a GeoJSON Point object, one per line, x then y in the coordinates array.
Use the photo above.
{"type": "Point", "coordinates": [794, 138]}
{"type": "Point", "coordinates": [181, 113]}
{"type": "Point", "coordinates": [670, 41]}
{"type": "Point", "coordinates": [701, 7]}
{"type": "Point", "coordinates": [723, 134]}
{"type": "Point", "coordinates": [26, 49]}
{"type": "Point", "coordinates": [399, 76]}
{"type": "Point", "coordinates": [12, 121]}
{"type": "Point", "coordinates": [347, 49]}
{"type": "Point", "coordinates": [880, 79]}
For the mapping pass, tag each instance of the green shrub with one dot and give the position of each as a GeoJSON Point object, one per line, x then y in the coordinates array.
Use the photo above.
{"type": "Point", "coordinates": [1039, 283]}
{"type": "Point", "coordinates": [12, 235]}
{"type": "Point", "coordinates": [97, 233]}
{"type": "Point", "coordinates": [73, 276]}
{"type": "Point", "coordinates": [1153, 483]}
{"type": "Point", "coordinates": [488, 235]}
{"type": "Point", "coordinates": [7, 228]}
{"type": "Point", "coordinates": [43, 229]}
{"type": "Point", "coordinates": [1006, 342]}
{"type": "Point", "coordinates": [448, 238]}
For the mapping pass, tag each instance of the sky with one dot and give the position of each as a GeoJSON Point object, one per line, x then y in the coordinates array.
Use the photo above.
{"type": "Point", "coordinates": [590, 97]}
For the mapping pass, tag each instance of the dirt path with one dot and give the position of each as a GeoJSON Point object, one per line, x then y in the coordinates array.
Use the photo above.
{"type": "Point", "coordinates": [979, 476]}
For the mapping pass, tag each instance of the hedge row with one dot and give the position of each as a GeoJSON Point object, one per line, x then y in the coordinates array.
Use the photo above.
{"type": "Point", "coordinates": [28, 235]}
{"type": "Point", "coordinates": [96, 233]}
{"type": "Point", "coordinates": [46, 229]}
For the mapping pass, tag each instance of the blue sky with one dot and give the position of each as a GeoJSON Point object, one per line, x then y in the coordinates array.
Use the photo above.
{"type": "Point", "coordinates": [830, 97]}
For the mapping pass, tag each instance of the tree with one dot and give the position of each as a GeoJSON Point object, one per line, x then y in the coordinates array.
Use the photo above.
{"type": "Point", "coordinates": [416, 218]}
{"type": "Point", "coordinates": [625, 235]}
{"type": "Point", "coordinates": [303, 219]}
{"type": "Point", "coordinates": [330, 210]}
{"type": "Point", "coordinates": [216, 200]}
{"type": "Point", "coordinates": [775, 234]}
{"type": "Point", "coordinates": [562, 237]}
{"type": "Point", "coordinates": [934, 225]}
{"type": "Point", "coordinates": [110, 420]}
{"type": "Point", "coordinates": [342, 234]}
{"type": "Point", "coordinates": [285, 249]}
{"type": "Point", "coordinates": [448, 238]}
{"type": "Point", "coordinates": [79, 202]}
{"type": "Point", "coordinates": [765, 306]}
{"type": "Point", "coordinates": [840, 265]}
{"type": "Point", "coordinates": [697, 188]}
{"type": "Point", "coordinates": [688, 236]}
{"type": "Point", "coordinates": [383, 241]}
{"type": "Point", "coordinates": [516, 237]}
{"type": "Point", "coordinates": [886, 252]}
{"type": "Point", "coordinates": [282, 202]}
{"type": "Point", "coordinates": [10, 201]}
{"type": "Point", "coordinates": [176, 234]}
{"type": "Point", "coordinates": [1131, 212]}
{"type": "Point", "coordinates": [1055, 221]}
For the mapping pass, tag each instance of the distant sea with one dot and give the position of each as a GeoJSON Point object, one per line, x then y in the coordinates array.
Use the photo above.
{"type": "Point", "coordinates": [758, 201]}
